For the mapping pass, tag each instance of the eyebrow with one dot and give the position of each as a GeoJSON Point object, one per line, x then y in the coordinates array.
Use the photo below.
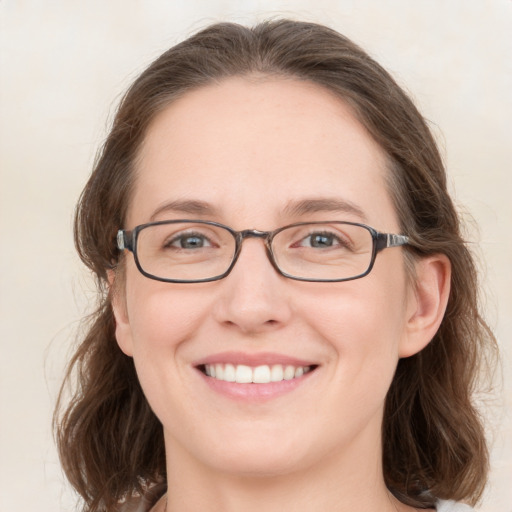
{"type": "Point", "coordinates": [315, 205]}
{"type": "Point", "coordinates": [192, 207]}
{"type": "Point", "coordinates": [293, 208]}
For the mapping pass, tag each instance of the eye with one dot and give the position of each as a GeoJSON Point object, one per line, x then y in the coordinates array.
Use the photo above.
{"type": "Point", "coordinates": [188, 241]}
{"type": "Point", "coordinates": [322, 240]}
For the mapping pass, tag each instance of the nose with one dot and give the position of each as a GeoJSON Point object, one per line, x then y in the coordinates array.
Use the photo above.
{"type": "Point", "coordinates": [253, 298]}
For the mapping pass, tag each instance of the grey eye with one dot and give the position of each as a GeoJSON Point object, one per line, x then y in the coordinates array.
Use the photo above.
{"type": "Point", "coordinates": [189, 241]}
{"type": "Point", "coordinates": [322, 240]}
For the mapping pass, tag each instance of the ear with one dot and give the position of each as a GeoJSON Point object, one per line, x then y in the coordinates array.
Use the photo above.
{"type": "Point", "coordinates": [118, 299]}
{"type": "Point", "coordinates": [427, 303]}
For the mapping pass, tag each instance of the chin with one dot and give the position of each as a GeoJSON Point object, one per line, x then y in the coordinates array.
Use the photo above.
{"type": "Point", "coordinates": [262, 465]}
{"type": "Point", "coordinates": [259, 456]}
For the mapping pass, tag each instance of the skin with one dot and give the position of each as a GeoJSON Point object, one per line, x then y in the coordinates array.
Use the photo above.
{"type": "Point", "coordinates": [249, 147]}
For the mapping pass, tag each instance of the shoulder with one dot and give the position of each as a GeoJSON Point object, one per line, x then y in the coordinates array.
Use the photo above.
{"type": "Point", "coordinates": [452, 506]}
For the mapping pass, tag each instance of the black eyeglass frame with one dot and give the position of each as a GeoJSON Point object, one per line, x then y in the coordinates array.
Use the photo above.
{"type": "Point", "coordinates": [127, 239]}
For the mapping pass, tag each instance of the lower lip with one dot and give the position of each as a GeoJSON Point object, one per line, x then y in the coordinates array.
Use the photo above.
{"type": "Point", "coordinates": [255, 392]}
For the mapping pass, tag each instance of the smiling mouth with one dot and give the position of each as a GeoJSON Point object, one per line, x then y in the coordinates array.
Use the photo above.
{"type": "Point", "coordinates": [263, 374]}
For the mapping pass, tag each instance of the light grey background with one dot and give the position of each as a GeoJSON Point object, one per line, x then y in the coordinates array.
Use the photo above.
{"type": "Point", "coordinates": [63, 66]}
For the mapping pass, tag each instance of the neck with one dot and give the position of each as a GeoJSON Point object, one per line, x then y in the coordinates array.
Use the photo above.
{"type": "Point", "coordinates": [338, 484]}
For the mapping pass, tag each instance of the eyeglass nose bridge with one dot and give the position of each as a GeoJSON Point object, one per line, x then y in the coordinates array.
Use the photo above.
{"type": "Point", "coordinates": [255, 233]}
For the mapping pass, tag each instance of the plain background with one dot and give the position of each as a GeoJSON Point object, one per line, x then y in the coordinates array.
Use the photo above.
{"type": "Point", "coordinates": [64, 65]}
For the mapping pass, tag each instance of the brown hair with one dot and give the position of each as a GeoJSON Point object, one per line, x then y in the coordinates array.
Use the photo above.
{"type": "Point", "coordinates": [111, 443]}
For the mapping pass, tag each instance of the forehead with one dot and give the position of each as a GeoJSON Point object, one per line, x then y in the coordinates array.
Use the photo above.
{"type": "Point", "coordinates": [252, 146]}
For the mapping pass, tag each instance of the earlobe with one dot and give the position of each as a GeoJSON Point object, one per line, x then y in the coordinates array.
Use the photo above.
{"type": "Point", "coordinates": [427, 303]}
{"type": "Point", "coordinates": [119, 309]}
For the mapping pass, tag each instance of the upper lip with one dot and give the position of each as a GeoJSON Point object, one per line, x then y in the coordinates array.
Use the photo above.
{"type": "Point", "coordinates": [256, 359]}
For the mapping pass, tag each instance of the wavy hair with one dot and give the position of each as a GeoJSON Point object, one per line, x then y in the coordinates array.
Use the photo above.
{"type": "Point", "coordinates": [110, 442]}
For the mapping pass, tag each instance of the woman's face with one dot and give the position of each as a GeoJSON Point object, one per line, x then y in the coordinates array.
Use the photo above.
{"type": "Point", "coordinates": [261, 154]}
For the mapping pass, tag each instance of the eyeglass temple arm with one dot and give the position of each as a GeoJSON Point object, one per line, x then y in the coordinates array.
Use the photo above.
{"type": "Point", "coordinates": [385, 240]}
{"type": "Point", "coordinates": [124, 240]}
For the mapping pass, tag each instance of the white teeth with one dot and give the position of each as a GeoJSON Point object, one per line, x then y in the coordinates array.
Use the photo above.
{"type": "Point", "coordinates": [276, 373]}
{"type": "Point", "coordinates": [289, 372]}
{"type": "Point", "coordinates": [243, 374]}
{"type": "Point", "coordinates": [262, 374]}
{"type": "Point", "coordinates": [229, 373]}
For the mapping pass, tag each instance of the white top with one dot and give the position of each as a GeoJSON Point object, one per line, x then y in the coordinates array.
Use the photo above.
{"type": "Point", "coordinates": [452, 506]}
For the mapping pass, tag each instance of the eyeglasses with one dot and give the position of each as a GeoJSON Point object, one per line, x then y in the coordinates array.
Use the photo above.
{"type": "Point", "coordinates": [195, 251]}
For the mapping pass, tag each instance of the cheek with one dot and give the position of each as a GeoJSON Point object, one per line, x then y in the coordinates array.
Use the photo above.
{"type": "Point", "coordinates": [161, 315]}
{"type": "Point", "coordinates": [363, 322]}
{"type": "Point", "coordinates": [163, 323]}
{"type": "Point", "coordinates": [360, 314]}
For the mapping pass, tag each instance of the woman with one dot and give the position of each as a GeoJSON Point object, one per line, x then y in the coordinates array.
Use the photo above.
{"type": "Point", "coordinates": [288, 314]}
